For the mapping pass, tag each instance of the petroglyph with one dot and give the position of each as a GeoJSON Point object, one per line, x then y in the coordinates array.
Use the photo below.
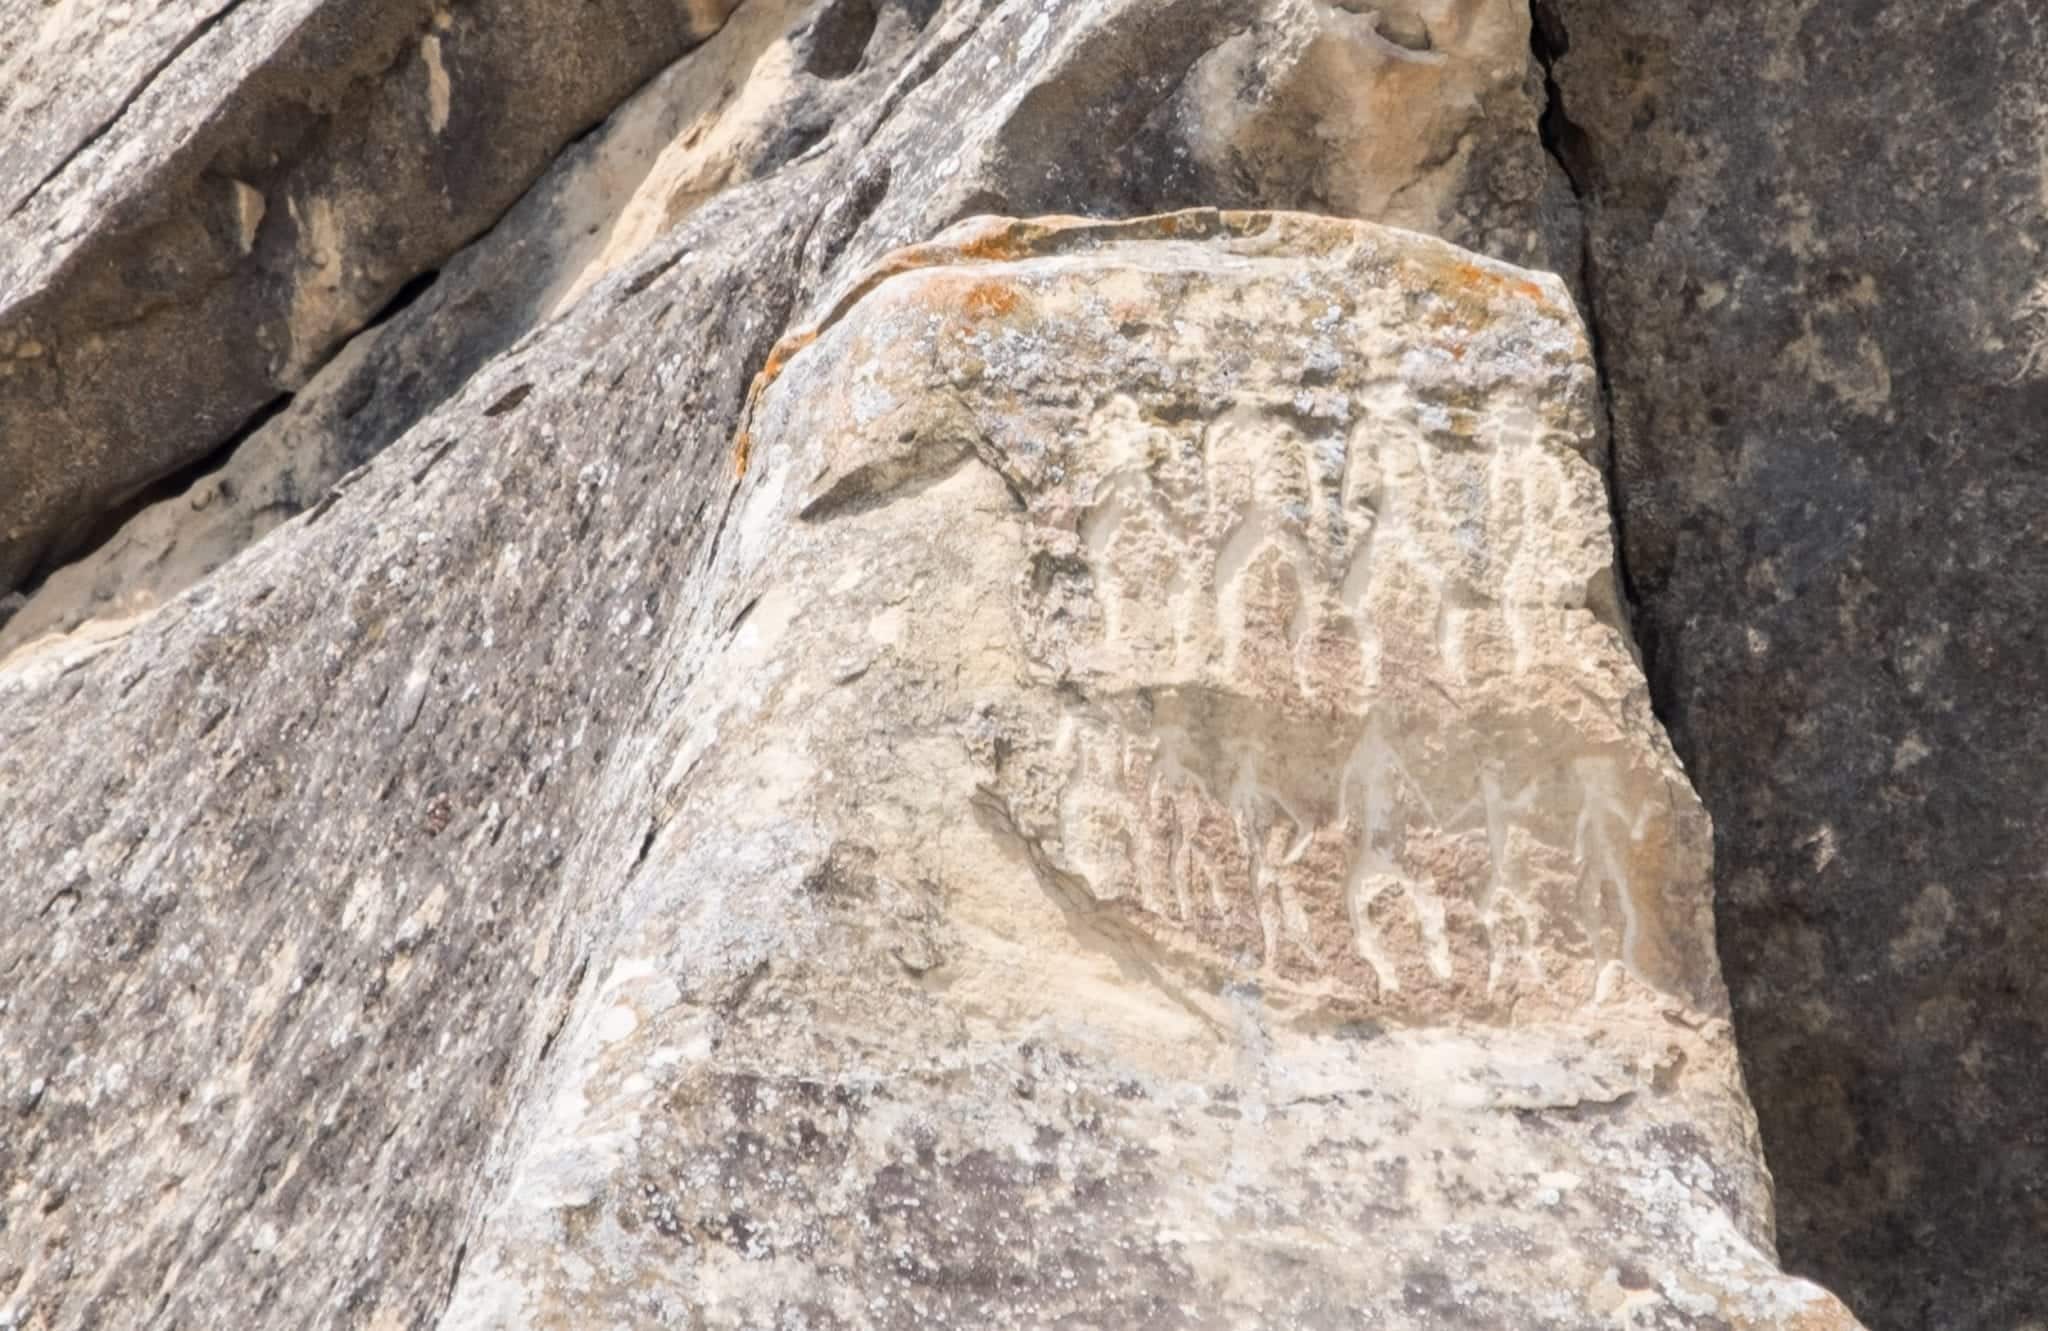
{"type": "Point", "coordinates": [1322, 576]}
{"type": "Point", "coordinates": [1306, 755]}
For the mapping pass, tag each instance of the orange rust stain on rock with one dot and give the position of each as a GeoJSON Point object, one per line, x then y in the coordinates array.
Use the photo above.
{"type": "Point", "coordinates": [1473, 277]}
{"type": "Point", "coordinates": [1470, 296]}
{"type": "Point", "coordinates": [994, 247]}
{"type": "Point", "coordinates": [990, 300]}
{"type": "Point", "coordinates": [779, 358]}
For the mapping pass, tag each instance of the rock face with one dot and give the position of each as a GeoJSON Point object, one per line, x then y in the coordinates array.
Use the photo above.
{"type": "Point", "coordinates": [1110, 786]}
{"type": "Point", "coordinates": [233, 190]}
{"type": "Point", "coordinates": [1171, 702]}
{"type": "Point", "coordinates": [1291, 102]}
{"type": "Point", "coordinates": [1817, 252]}
{"type": "Point", "coordinates": [1143, 794]}
{"type": "Point", "coordinates": [683, 137]}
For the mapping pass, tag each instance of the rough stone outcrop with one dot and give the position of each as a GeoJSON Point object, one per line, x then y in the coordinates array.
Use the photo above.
{"type": "Point", "coordinates": [191, 225]}
{"type": "Point", "coordinates": [1817, 240]}
{"type": "Point", "coordinates": [1111, 786]}
{"type": "Point", "coordinates": [744, 103]}
{"type": "Point", "coordinates": [1170, 785]}
{"type": "Point", "coordinates": [1130, 790]}
{"type": "Point", "coordinates": [1289, 102]}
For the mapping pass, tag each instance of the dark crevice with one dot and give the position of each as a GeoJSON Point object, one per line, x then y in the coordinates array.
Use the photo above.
{"type": "Point", "coordinates": [1571, 148]}
{"type": "Point", "coordinates": [647, 278]}
{"type": "Point", "coordinates": [564, 1006]}
{"type": "Point", "coordinates": [1568, 144]}
{"type": "Point", "coordinates": [414, 287]}
{"type": "Point", "coordinates": [455, 1274]}
{"type": "Point", "coordinates": [858, 203]}
{"type": "Point", "coordinates": [509, 401]}
{"type": "Point", "coordinates": [106, 524]}
{"type": "Point", "coordinates": [838, 38]}
{"type": "Point", "coordinates": [795, 141]}
{"type": "Point", "coordinates": [441, 449]}
{"type": "Point", "coordinates": [103, 526]}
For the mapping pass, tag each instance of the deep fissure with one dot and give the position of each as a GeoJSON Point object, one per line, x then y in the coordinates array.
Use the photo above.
{"type": "Point", "coordinates": [106, 525]}
{"type": "Point", "coordinates": [1569, 145]}
{"type": "Point", "coordinates": [1571, 148]}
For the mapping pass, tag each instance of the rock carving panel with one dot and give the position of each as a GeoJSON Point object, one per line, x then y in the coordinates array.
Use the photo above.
{"type": "Point", "coordinates": [1258, 790]}
{"type": "Point", "coordinates": [1346, 709]}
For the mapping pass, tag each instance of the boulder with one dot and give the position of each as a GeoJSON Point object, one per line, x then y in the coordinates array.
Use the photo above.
{"type": "Point", "coordinates": [1114, 782]}
{"type": "Point", "coordinates": [1103, 780]}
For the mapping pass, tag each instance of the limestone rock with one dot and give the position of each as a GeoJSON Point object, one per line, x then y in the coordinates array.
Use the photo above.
{"type": "Point", "coordinates": [1817, 239]}
{"type": "Point", "coordinates": [234, 189]}
{"type": "Point", "coordinates": [1141, 796]}
{"type": "Point", "coordinates": [1170, 701]}
{"type": "Point", "coordinates": [784, 77]}
{"type": "Point", "coordinates": [1109, 786]}
{"type": "Point", "coordinates": [1397, 110]}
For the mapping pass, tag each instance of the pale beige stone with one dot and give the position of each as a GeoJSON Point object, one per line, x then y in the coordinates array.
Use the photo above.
{"type": "Point", "coordinates": [1116, 795]}
{"type": "Point", "coordinates": [1383, 105]}
{"type": "Point", "coordinates": [1170, 831]}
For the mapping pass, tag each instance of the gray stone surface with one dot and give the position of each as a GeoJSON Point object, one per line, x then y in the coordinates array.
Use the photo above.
{"type": "Point", "coordinates": [1293, 103]}
{"type": "Point", "coordinates": [757, 942]}
{"type": "Point", "coordinates": [600, 201]}
{"type": "Point", "coordinates": [314, 866]}
{"type": "Point", "coordinates": [1819, 243]}
{"type": "Point", "coordinates": [330, 874]}
{"type": "Point", "coordinates": [226, 199]}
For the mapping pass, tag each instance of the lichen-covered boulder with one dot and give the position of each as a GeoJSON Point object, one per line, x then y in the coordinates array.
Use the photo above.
{"type": "Point", "coordinates": [1111, 788]}
{"type": "Point", "coordinates": [1108, 788]}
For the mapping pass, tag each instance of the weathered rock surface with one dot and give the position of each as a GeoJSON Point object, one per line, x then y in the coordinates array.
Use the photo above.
{"type": "Point", "coordinates": [958, 878]}
{"type": "Point", "coordinates": [1293, 102]}
{"type": "Point", "coordinates": [1171, 702]}
{"type": "Point", "coordinates": [1117, 786]}
{"type": "Point", "coordinates": [190, 227]}
{"type": "Point", "coordinates": [1819, 242]}
{"type": "Point", "coordinates": [741, 104]}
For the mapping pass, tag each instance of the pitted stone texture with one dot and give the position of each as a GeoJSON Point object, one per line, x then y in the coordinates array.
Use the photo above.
{"type": "Point", "coordinates": [1093, 600]}
{"type": "Point", "coordinates": [739, 106]}
{"type": "Point", "coordinates": [1421, 114]}
{"type": "Point", "coordinates": [1394, 110]}
{"type": "Point", "coordinates": [1418, 113]}
{"type": "Point", "coordinates": [549, 882]}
